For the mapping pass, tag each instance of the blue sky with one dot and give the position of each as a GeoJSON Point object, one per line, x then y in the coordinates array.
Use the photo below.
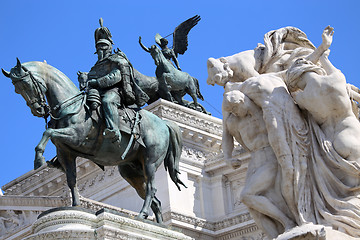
{"type": "Point", "coordinates": [62, 33]}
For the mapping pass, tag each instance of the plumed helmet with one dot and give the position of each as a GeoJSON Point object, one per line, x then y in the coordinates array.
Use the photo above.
{"type": "Point", "coordinates": [103, 35]}
{"type": "Point", "coordinates": [160, 40]}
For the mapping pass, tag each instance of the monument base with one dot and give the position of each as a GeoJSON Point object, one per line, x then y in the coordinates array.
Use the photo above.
{"type": "Point", "coordinates": [314, 232]}
{"type": "Point", "coordinates": [81, 223]}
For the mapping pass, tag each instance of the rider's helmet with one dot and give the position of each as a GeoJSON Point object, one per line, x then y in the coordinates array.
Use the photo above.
{"type": "Point", "coordinates": [103, 35]}
{"type": "Point", "coordinates": [103, 41]}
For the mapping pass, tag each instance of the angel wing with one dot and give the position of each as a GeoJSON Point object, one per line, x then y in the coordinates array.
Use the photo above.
{"type": "Point", "coordinates": [180, 37]}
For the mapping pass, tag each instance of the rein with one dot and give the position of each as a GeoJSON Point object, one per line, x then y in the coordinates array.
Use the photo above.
{"type": "Point", "coordinates": [41, 96]}
{"type": "Point", "coordinates": [65, 104]}
{"type": "Point", "coordinates": [58, 108]}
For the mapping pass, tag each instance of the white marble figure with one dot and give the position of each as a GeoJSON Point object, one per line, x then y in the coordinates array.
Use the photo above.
{"type": "Point", "coordinates": [286, 132]}
{"type": "Point", "coordinates": [280, 49]}
{"type": "Point", "coordinates": [243, 120]}
{"type": "Point", "coordinates": [3, 230]}
{"type": "Point", "coordinates": [314, 159]}
{"type": "Point", "coordinates": [323, 93]}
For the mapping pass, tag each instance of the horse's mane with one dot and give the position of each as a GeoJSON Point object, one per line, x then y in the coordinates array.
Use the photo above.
{"type": "Point", "coordinates": [42, 70]}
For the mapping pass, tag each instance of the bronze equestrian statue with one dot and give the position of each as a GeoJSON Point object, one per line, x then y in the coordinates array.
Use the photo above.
{"type": "Point", "coordinates": [112, 132]}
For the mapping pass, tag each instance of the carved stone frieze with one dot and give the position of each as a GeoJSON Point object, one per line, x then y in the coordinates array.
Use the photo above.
{"type": "Point", "coordinates": [96, 206]}
{"type": "Point", "coordinates": [14, 220]}
{"type": "Point", "coordinates": [229, 222]}
{"type": "Point", "coordinates": [63, 235]}
{"type": "Point", "coordinates": [251, 232]}
{"type": "Point", "coordinates": [213, 226]}
{"type": "Point", "coordinates": [99, 178]}
{"type": "Point", "coordinates": [189, 117]}
{"type": "Point", "coordinates": [19, 212]}
{"type": "Point", "coordinates": [27, 181]}
{"type": "Point", "coordinates": [193, 154]}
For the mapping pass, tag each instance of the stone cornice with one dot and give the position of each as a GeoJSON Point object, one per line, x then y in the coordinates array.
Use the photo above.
{"type": "Point", "coordinates": [99, 177]}
{"type": "Point", "coordinates": [26, 201]}
{"type": "Point", "coordinates": [236, 227]}
{"type": "Point", "coordinates": [212, 226]}
{"type": "Point", "coordinates": [252, 230]}
{"type": "Point", "coordinates": [96, 206]}
{"type": "Point", "coordinates": [24, 185]}
{"type": "Point", "coordinates": [215, 162]}
{"type": "Point", "coordinates": [199, 130]}
{"type": "Point", "coordinates": [187, 116]}
{"type": "Point", "coordinates": [99, 225]}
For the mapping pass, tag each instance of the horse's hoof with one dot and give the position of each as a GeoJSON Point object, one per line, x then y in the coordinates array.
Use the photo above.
{"type": "Point", "coordinates": [39, 162]}
{"type": "Point", "coordinates": [159, 219]}
{"type": "Point", "coordinates": [142, 216]}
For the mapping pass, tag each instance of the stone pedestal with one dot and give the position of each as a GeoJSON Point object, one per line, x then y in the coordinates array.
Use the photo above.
{"type": "Point", "coordinates": [81, 223]}
{"type": "Point", "coordinates": [314, 232]}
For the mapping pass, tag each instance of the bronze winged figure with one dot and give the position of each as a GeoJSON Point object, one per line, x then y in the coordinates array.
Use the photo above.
{"type": "Point", "coordinates": [180, 40]}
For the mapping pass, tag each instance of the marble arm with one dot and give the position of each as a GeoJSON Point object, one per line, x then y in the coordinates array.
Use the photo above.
{"type": "Point", "coordinates": [227, 139]}
{"type": "Point", "coordinates": [228, 144]}
{"type": "Point", "coordinates": [324, 46]}
{"type": "Point", "coordinates": [327, 65]}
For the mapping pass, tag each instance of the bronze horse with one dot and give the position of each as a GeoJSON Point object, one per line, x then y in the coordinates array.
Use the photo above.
{"type": "Point", "coordinates": [75, 133]}
{"type": "Point", "coordinates": [173, 82]}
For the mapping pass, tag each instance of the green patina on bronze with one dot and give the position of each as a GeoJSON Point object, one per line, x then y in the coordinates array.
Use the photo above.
{"type": "Point", "coordinates": [103, 122]}
{"type": "Point", "coordinates": [173, 83]}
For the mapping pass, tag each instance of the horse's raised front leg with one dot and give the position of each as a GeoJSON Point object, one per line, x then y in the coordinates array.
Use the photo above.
{"type": "Point", "coordinates": [67, 135]}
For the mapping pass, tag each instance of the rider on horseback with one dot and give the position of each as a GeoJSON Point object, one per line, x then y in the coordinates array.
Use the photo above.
{"type": "Point", "coordinates": [112, 76]}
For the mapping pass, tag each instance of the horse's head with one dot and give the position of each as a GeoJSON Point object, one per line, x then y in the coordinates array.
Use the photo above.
{"type": "Point", "coordinates": [30, 89]}
{"type": "Point", "coordinates": [156, 54]}
{"type": "Point", "coordinates": [219, 71]}
{"type": "Point", "coordinates": [82, 78]}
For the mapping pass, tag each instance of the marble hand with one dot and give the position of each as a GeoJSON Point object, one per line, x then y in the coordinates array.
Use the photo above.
{"type": "Point", "coordinates": [327, 36]}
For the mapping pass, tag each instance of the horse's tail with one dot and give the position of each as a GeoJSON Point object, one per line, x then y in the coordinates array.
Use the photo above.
{"type": "Point", "coordinates": [172, 158]}
{"type": "Point", "coordinates": [198, 93]}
